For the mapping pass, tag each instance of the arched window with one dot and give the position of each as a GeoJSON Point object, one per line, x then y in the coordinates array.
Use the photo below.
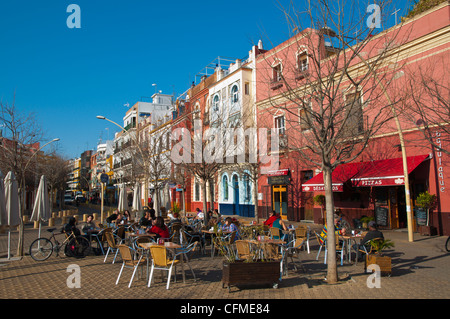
{"type": "Point", "coordinates": [216, 103]}
{"type": "Point", "coordinates": [234, 94]}
{"type": "Point", "coordinates": [247, 188]}
{"type": "Point", "coordinates": [225, 187]}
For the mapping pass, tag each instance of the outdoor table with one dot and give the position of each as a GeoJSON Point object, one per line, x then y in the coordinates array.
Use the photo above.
{"type": "Point", "coordinates": [349, 239]}
{"type": "Point", "coordinates": [172, 247]}
{"type": "Point", "coordinates": [261, 242]}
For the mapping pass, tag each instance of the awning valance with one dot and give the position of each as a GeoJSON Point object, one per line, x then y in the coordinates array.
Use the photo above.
{"type": "Point", "coordinates": [388, 172]}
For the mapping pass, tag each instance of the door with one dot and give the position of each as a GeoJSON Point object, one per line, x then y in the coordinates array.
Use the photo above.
{"type": "Point", "coordinates": [280, 200]}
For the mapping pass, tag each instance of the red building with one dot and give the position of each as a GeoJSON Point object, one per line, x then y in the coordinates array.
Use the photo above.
{"type": "Point", "coordinates": [372, 184]}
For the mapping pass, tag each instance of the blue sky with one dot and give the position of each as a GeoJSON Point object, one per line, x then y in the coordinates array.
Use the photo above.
{"type": "Point", "coordinates": [68, 76]}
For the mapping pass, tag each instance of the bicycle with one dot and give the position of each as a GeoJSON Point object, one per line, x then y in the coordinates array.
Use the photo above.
{"type": "Point", "coordinates": [447, 244]}
{"type": "Point", "coordinates": [75, 246]}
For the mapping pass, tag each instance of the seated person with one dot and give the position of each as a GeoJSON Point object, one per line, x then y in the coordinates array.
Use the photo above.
{"type": "Point", "coordinates": [71, 227]}
{"type": "Point", "coordinates": [90, 227]}
{"type": "Point", "coordinates": [118, 220]}
{"type": "Point", "coordinates": [110, 220]}
{"type": "Point", "coordinates": [279, 223]}
{"type": "Point", "coordinates": [159, 228]}
{"type": "Point", "coordinates": [371, 234]}
{"type": "Point", "coordinates": [337, 230]}
{"type": "Point", "coordinates": [126, 217]}
{"type": "Point", "coordinates": [272, 217]}
{"type": "Point", "coordinates": [200, 214]}
{"type": "Point", "coordinates": [231, 227]}
{"type": "Point", "coordinates": [145, 219]}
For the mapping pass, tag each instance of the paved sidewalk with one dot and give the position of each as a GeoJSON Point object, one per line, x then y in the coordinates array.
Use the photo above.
{"type": "Point", "coordinates": [420, 271]}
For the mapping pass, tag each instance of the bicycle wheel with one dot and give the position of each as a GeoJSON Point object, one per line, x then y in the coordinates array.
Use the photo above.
{"type": "Point", "coordinates": [77, 247]}
{"type": "Point", "coordinates": [41, 249]}
{"type": "Point", "coordinates": [447, 244]}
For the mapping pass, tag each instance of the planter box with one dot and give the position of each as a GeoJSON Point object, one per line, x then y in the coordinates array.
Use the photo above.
{"type": "Point", "coordinates": [251, 273]}
{"type": "Point", "coordinates": [427, 230]}
{"type": "Point", "coordinates": [383, 262]}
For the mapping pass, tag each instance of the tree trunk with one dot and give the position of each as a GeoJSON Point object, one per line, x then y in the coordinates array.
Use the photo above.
{"type": "Point", "coordinates": [205, 205]}
{"type": "Point", "coordinates": [332, 275]}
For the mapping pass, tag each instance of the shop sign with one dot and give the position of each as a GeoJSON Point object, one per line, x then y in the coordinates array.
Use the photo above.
{"type": "Point", "coordinates": [321, 188]}
{"type": "Point", "coordinates": [279, 180]}
{"type": "Point", "coordinates": [440, 168]}
{"type": "Point", "coordinates": [280, 172]}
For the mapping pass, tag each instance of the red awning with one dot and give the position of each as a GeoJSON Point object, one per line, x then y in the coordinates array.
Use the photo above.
{"type": "Point", "coordinates": [388, 172]}
{"type": "Point", "coordinates": [340, 175]}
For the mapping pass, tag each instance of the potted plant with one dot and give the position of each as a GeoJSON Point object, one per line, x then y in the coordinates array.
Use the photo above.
{"type": "Point", "coordinates": [365, 221]}
{"type": "Point", "coordinates": [424, 202]}
{"type": "Point", "coordinates": [376, 256]}
{"type": "Point", "coordinates": [320, 200]}
{"type": "Point", "coordinates": [249, 271]}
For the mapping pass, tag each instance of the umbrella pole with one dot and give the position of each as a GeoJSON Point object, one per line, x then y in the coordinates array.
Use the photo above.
{"type": "Point", "coordinates": [9, 243]}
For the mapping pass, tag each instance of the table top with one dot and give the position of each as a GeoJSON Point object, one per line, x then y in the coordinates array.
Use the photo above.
{"type": "Point", "coordinates": [266, 241]}
{"type": "Point", "coordinates": [167, 244]}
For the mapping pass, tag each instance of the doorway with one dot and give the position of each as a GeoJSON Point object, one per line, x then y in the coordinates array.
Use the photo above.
{"type": "Point", "coordinates": [280, 200]}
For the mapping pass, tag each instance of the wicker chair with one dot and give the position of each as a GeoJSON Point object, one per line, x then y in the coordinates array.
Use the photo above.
{"type": "Point", "coordinates": [161, 262]}
{"type": "Point", "coordinates": [128, 261]}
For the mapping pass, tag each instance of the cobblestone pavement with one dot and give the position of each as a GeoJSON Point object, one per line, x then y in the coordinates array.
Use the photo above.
{"type": "Point", "coordinates": [420, 271]}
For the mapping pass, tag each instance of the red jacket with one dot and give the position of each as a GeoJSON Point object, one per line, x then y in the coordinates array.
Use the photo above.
{"type": "Point", "coordinates": [270, 221]}
{"type": "Point", "coordinates": [163, 233]}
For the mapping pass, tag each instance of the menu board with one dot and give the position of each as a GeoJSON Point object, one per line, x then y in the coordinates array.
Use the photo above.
{"type": "Point", "coordinates": [421, 216]}
{"type": "Point", "coordinates": [381, 216]}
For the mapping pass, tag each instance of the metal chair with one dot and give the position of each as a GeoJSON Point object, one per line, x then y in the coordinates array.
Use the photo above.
{"type": "Point", "coordinates": [161, 262]}
{"type": "Point", "coordinates": [113, 247]}
{"type": "Point", "coordinates": [303, 232]}
{"type": "Point", "coordinates": [128, 261]}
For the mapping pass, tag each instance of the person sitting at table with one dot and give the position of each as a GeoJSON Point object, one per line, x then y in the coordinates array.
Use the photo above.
{"type": "Point", "coordinates": [371, 234]}
{"type": "Point", "coordinates": [159, 228]}
{"type": "Point", "coordinates": [272, 217]}
{"type": "Point", "coordinates": [126, 217]}
{"type": "Point", "coordinates": [146, 219]}
{"type": "Point", "coordinates": [278, 223]}
{"type": "Point", "coordinates": [110, 220]}
{"type": "Point", "coordinates": [338, 231]}
{"type": "Point", "coordinates": [200, 215]}
{"type": "Point", "coordinates": [231, 227]}
{"type": "Point", "coordinates": [71, 227]}
{"type": "Point", "coordinates": [90, 227]}
{"type": "Point", "coordinates": [118, 220]}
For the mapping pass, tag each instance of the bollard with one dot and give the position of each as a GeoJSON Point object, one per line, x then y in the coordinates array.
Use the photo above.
{"type": "Point", "coordinates": [64, 220]}
{"type": "Point", "coordinates": [25, 219]}
{"type": "Point", "coordinates": [51, 222]}
{"type": "Point", "coordinates": [95, 216]}
{"type": "Point", "coordinates": [36, 224]}
{"type": "Point", "coordinates": [54, 215]}
{"type": "Point", "coordinates": [85, 217]}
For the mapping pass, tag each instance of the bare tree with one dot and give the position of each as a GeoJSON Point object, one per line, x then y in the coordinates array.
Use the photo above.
{"type": "Point", "coordinates": [427, 101]}
{"type": "Point", "coordinates": [17, 149]}
{"type": "Point", "coordinates": [323, 89]}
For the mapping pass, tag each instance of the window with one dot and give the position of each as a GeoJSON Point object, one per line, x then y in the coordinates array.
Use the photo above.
{"type": "Point", "coordinates": [225, 187]}
{"type": "Point", "coordinates": [355, 121]}
{"type": "Point", "coordinates": [305, 116]}
{"type": "Point", "coordinates": [197, 192]}
{"type": "Point", "coordinates": [276, 73]}
{"type": "Point", "coordinates": [247, 88]}
{"type": "Point", "coordinates": [279, 125]}
{"type": "Point", "coordinates": [302, 61]}
{"type": "Point", "coordinates": [247, 188]}
{"type": "Point", "coordinates": [216, 101]}
{"type": "Point", "coordinates": [234, 94]}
